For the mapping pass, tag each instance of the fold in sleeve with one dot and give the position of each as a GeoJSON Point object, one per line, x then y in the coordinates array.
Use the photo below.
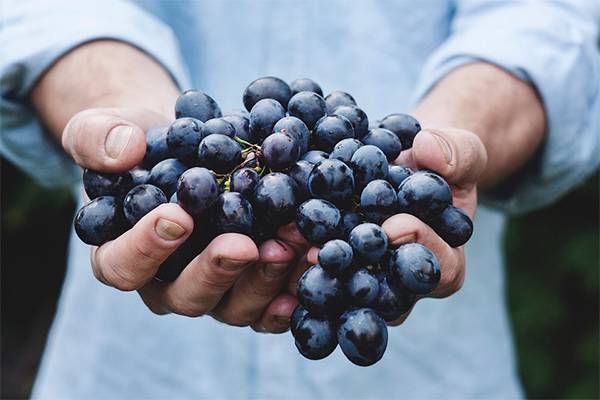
{"type": "Point", "coordinates": [553, 45]}
{"type": "Point", "coordinates": [35, 34]}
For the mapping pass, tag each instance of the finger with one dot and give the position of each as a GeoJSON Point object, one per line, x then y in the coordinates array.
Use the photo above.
{"type": "Point", "coordinates": [132, 259]}
{"type": "Point", "coordinates": [109, 139]}
{"type": "Point", "coordinates": [276, 318]}
{"type": "Point", "coordinates": [204, 281]}
{"type": "Point", "coordinates": [405, 228]}
{"type": "Point", "coordinates": [291, 235]}
{"type": "Point", "coordinates": [257, 286]}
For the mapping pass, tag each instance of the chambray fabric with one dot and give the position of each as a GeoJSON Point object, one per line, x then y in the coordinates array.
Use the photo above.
{"type": "Point", "coordinates": [387, 54]}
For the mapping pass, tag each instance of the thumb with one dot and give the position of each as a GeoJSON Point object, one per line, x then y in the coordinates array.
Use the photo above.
{"type": "Point", "coordinates": [456, 154]}
{"type": "Point", "coordinates": [109, 139]}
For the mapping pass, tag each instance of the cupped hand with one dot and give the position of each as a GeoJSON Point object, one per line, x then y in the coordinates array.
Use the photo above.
{"type": "Point", "coordinates": [231, 279]}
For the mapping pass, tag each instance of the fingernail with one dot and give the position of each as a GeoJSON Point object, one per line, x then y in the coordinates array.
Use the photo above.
{"type": "Point", "coordinates": [412, 238]}
{"type": "Point", "coordinates": [275, 270]}
{"type": "Point", "coordinates": [169, 230]}
{"type": "Point", "coordinates": [282, 321]}
{"type": "Point", "coordinates": [117, 140]}
{"type": "Point", "coordinates": [446, 149]}
{"type": "Point", "coordinates": [231, 265]}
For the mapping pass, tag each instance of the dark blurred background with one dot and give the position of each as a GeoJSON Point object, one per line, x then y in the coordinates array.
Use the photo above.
{"type": "Point", "coordinates": [553, 276]}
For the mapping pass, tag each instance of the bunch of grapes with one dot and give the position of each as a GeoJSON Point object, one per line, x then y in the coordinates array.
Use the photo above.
{"type": "Point", "coordinates": [292, 155]}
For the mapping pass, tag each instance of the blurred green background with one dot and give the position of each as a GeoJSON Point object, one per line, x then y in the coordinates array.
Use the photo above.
{"type": "Point", "coordinates": [553, 286]}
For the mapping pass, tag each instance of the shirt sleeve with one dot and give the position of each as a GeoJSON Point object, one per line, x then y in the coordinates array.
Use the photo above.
{"type": "Point", "coordinates": [553, 45]}
{"type": "Point", "coordinates": [34, 34]}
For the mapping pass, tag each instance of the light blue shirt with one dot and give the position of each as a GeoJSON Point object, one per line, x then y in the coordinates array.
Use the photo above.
{"type": "Point", "coordinates": [387, 54]}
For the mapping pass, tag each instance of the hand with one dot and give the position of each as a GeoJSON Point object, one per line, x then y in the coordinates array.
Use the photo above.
{"type": "Point", "coordinates": [232, 279]}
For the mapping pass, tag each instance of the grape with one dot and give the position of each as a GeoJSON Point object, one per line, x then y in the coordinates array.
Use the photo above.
{"type": "Point", "coordinates": [386, 141]}
{"type": "Point", "coordinates": [397, 174]}
{"type": "Point", "coordinates": [98, 184]}
{"type": "Point", "coordinates": [335, 257]}
{"type": "Point", "coordinates": [369, 243]}
{"type": "Point", "coordinates": [141, 200]}
{"type": "Point", "coordinates": [362, 336]}
{"type": "Point", "coordinates": [305, 85]}
{"type": "Point", "coordinates": [100, 221]}
{"type": "Point", "coordinates": [378, 201]}
{"type": "Point", "coordinates": [244, 181]}
{"type": "Point", "coordinates": [139, 176]}
{"type": "Point", "coordinates": [424, 195]}
{"type": "Point", "coordinates": [320, 293]}
{"type": "Point", "coordinates": [218, 126]}
{"type": "Point", "coordinates": [298, 313]}
{"type": "Point", "coordinates": [269, 87]}
{"type": "Point", "coordinates": [392, 301]}
{"type": "Point", "coordinates": [183, 137]}
{"type": "Point", "coordinates": [295, 127]}
{"type": "Point", "coordinates": [232, 213]}
{"type": "Point", "coordinates": [219, 153]}
{"type": "Point", "coordinates": [315, 337]}
{"type": "Point", "coordinates": [165, 175]}
{"type": "Point", "coordinates": [350, 219]}
{"type": "Point", "coordinates": [331, 180]}
{"type": "Point", "coordinates": [196, 104]}
{"type": "Point", "coordinates": [241, 124]}
{"type": "Point", "coordinates": [318, 221]}
{"type": "Point", "coordinates": [362, 287]}
{"type": "Point", "coordinates": [415, 267]}
{"type": "Point", "coordinates": [172, 267]}
{"type": "Point", "coordinates": [197, 190]}
{"type": "Point", "coordinates": [263, 117]}
{"type": "Point", "coordinates": [357, 117]}
{"type": "Point", "coordinates": [330, 129]}
{"type": "Point", "coordinates": [156, 146]}
{"type": "Point", "coordinates": [339, 98]}
{"type": "Point", "coordinates": [280, 151]}
{"type": "Point", "coordinates": [404, 126]}
{"type": "Point", "coordinates": [368, 163]}
{"type": "Point", "coordinates": [276, 198]}
{"type": "Point", "coordinates": [345, 149]}
{"type": "Point", "coordinates": [453, 225]}
{"type": "Point", "coordinates": [315, 156]}
{"type": "Point", "coordinates": [299, 172]}
{"type": "Point", "coordinates": [308, 107]}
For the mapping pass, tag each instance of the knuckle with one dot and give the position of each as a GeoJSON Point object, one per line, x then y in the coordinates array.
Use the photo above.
{"type": "Point", "coordinates": [120, 279]}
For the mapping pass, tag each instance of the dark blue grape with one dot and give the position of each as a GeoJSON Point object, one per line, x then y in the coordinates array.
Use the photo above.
{"type": "Point", "coordinates": [350, 219]}
{"type": "Point", "coordinates": [338, 98]}
{"type": "Point", "coordinates": [219, 153]}
{"type": "Point", "coordinates": [263, 117]}
{"type": "Point", "coordinates": [320, 293]}
{"type": "Point", "coordinates": [362, 336]}
{"type": "Point", "coordinates": [392, 301]}
{"type": "Point", "coordinates": [172, 267]}
{"type": "Point", "coordinates": [329, 130]}
{"type": "Point", "coordinates": [244, 181]}
{"type": "Point", "coordinates": [378, 201]}
{"type": "Point", "coordinates": [268, 87]}
{"type": "Point", "coordinates": [232, 213]}
{"type": "Point", "coordinates": [139, 176]}
{"type": "Point", "coordinates": [331, 180]}
{"type": "Point", "coordinates": [414, 267]}
{"type": "Point", "coordinates": [345, 149]}
{"type": "Point", "coordinates": [197, 190]}
{"type": "Point", "coordinates": [298, 313]}
{"type": "Point", "coordinates": [315, 156]}
{"type": "Point", "coordinates": [386, 140]}
{"type": "Point", "coordinates": [196, 104]}
{"type": "Point", "coordinates": [218, 126]}
{"type": "Point", "coordinates": [101, 220]}
{"type": "Point", "coordinates": [397, 174]}
{"type": "Point", "coordinates": [308, 107]}
{"type": "Point", "coordinates": [357, 117]}
{"type": "Point", "coordinates": [453, 225]}
{"type": "Point", "coordinates": [299, 173]}
{"type": "Point", "coordinates": [141, 200]}
{"type": "Point", "coordinates": [183, 137]}
{"type": "Point", "coordinates": [315, 337]}
{"type": "Point", "coordinates": [156, 146]}
{"type": "Point", "coordinates": [238, 112]}
{"type": "Point", "coordinates": [404, 126]}
{"type": "Point", "coordinates": [241, 125]}
{"type": "Point", "coordinates": [424, 195]}
{"type": "Point", "coordinates": [305, 85]}
{"type": "Point", "coordinates": [276, 198]}
{"type": "Point", "coordinates": [165, 175]}
{"type": "Point", "coordinates": [335, 256]}
{"type": "Point", "coordinates": [368, 163]}
{"type": "Point", "coordinates": [362, 288]}
{"type": "Point", "coordinates": [318, 221]}
{"type": "Point", "coordinates": [98, 184]}
{"type": "Point", "coordinates": [280, 151]}
{"type": "Point", "coordinates": [295, 127]}
{"type": "Point", "coordinates": [369, 243]}
{"type": "Point", "coordinates": [262, 231]}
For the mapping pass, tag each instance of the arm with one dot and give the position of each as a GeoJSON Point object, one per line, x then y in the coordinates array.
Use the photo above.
{"type": "Point", "coordinates": [141, 94]}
